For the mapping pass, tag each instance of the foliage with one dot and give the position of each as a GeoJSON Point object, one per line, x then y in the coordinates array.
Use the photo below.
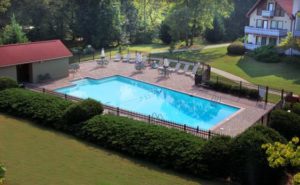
{"type": "Point", "coordinates": [42, 108]}
{"type": "Point", "coordinates": [235, 24]}
{"type": "Point", "coordinates": [13, 33]}
{"type": "Point", "coordinates": [2, 173]}
{"type": "Point", "coordinates": [296, 108]}
{"type": "Point", "coordinates": [290, 42]}
{"type": "Point", "coordinates": [284, 155]}
{"type": "Point", "coordinates": [296, 179]}
{"type": "Point", "coordinates": [189, 18]}
{"type": "Point", "coordinates": [6, 83]}
{"type": "Point", "coordinates": [234, 89]}
{"type": "Point", "coordinates": [236, 48]}
{"type": "Point", "coordinates": [248, 162]}
{"type": "Point", "coordinates": [4, 5]}
{"type": "Point", "coordinates": [164, 34]}
{"type": "Point", "coordinates": [215, 157]}
{"type": "Point", "coordinates": [168, 147]}
{"type": "Point", "coordinates": [82, 111]}
{"type": "Point", "coordinates": [266, 54]}
{"type": "Point", "coordinates": [216, 34]}
{"type": "Point", "coordinates": [286, 123]}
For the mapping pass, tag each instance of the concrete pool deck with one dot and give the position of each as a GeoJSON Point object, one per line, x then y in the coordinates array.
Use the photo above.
{"type": "Point", "coordinates": [250, 111]}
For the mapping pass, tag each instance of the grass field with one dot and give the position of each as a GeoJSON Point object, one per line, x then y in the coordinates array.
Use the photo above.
{"type": "Point", "coordinates": [283, 75]}
{"type": "Point", "coordinates": [36, 156]}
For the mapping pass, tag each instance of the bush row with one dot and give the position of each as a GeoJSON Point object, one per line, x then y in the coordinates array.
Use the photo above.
{"type": "Point", "coordinates": [267, 54]}
{"type": "Point", "coordinates": [241, 158]}
{"type": "Point", "coordinates": [286, 123]}
{"type": "Point", "coordinates": [235, 90]}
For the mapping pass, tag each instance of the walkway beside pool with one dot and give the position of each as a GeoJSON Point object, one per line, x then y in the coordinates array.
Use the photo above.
{"type": "Point", "coordinates": [250, 112]}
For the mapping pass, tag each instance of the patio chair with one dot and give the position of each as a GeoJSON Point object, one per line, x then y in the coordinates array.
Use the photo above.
{"type": "Point", "coordinates": [185, 69]}
{"type": "Point", "coordinates": [194, 70]}
{"type": "Point", "coordinates": [117, 58]}
{"type": "Point", "coordinates": [127, 57]}
{"type": "Point", "coordinates": [178, 64]}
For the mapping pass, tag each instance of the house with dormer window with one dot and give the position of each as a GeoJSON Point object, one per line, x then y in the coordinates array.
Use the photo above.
{"type": "Point", "coordinates": [270, 21]}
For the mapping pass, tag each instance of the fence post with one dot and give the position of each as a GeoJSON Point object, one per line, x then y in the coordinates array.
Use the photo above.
{"type": "Point", "coordinates": [178, 59]}
{"type": "Point", "coordinates": [184, 127]}
{"type": "Point", "coordinates": [149, 119]}
{"type": "Point", "coordinates": [267, 94]}
{"type": "Point", "coordinates": [79, 57]}
{"type": "Point", "coordinates": [241, 87]}
{"type": "Point", "coordinates": [94, 55]}
{"type": "Point", "coordinates": [209, 134]}
{"type": "Point", "coordinates": [44, 90]}
{"type": "Point", "coordinates": [282, 94]}
{"type": "Point", "coordinates": [110, 55]}
{"type": "Point", "coordinates": [66, 96]}
{"type": "Point", "coordinates": [217, 79]}
{"type": "Point", "coordinates": [149, 59]}
{"type": "Point", "coordinates": [197, 129]}
{"type": "Point", "coordinates": [118, 111]}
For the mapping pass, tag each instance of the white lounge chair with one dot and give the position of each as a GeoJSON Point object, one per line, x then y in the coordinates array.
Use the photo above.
{"type": "Point", "coordinates": [194, 70]}
{"type": "Point", "coordinates": [117, 58]}
{"type": "Point", "coordinates": [178, 64]}
{"type": "Point", "coordinates": [185, 69]}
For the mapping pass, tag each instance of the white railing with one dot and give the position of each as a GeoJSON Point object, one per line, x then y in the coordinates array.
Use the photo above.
{"type": "Point", "coordinates": [267, 13]}
{"type": "Point", "coordinates": [263, 31]}
{"type": "Point", "coordinates": [251, 46]}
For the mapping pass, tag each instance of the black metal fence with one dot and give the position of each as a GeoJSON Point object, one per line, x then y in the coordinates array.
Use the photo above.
{"type": "Point", "coordinates": [146, 118]}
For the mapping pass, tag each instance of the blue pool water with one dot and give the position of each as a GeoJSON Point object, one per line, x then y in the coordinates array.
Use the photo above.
{"type": "Point", "coordinates": [152, 100]}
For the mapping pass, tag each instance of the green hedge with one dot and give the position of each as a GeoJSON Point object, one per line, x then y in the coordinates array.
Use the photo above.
{"type": "Point", "coordinates": [6, 83]}
{"type": "Point", "coordinates": [82, 111]}
{"type": "Point", "coordinates": [267, 54]}
{"type": "Point", "coordinates": [236, 48]}
{"type": "Point", "coordinates": [234, 90]}
{"type": "Point", "coordinates": [167, 147]}
{"type": "Point", "coordinates": [286, 123]}
{"type": "Point", "coordinates": [249, 163]}
{"type": "Point", "coordinates": [44, 109]}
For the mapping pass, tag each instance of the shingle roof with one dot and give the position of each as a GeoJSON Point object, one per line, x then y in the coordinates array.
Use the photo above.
{"type": "Point", "coordinates": [15, 54]}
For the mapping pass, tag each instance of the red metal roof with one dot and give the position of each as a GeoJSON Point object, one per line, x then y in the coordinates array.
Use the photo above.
{"type": "Point", "coordinates": [15, 54]}
{"type": "Point", "coordinates": [286, 5]}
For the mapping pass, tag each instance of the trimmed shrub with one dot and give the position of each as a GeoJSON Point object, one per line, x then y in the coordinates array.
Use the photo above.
{"type": "Point", "coordinates": [249, 163]}
{"type": "Point", "coordinates": [82, 111]}
{"type": "Point", "coordinates": [266, 54]}
{"type": "Point", "coordinates": [234, 90]}
{"type": "Point", "coordinates": [216, 157]}
{"type": "Point", "coordinates": [45, 109]}
{"type": "Point", "coordinates": [287, 124]}
{"type": "Point", "coordinates": [236, 48]}
{"type": "Point", "coordinates": [167, 147]}
{"type": "Point", "coordinates": [6, 83]}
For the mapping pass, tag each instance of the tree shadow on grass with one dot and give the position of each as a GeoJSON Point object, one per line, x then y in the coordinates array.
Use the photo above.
{"type": "Point", "coordinates": [288, 70]}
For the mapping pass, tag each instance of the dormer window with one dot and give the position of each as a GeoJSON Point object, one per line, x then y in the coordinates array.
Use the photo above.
{"type": "Point", "coordinates": [271, 6]}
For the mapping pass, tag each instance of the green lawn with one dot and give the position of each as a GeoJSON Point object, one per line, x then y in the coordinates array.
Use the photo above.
{"type": "Point", "coordinates": [34, 155]}
{"type": "Point", "coordinates": [284, 75]}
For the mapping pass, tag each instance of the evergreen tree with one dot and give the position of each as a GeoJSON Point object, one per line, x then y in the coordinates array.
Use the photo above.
{"type": "Point", "coordinates": [13, 33]}
{"type": "Point", "coordinates": [216, 34]}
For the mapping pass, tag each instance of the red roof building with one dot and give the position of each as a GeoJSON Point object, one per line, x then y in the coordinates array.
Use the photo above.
{"type": "Point", "coordinates": [35, 61]}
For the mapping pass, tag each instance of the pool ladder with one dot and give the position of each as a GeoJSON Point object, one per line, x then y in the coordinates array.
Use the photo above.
{"type": "Point", "coordinates": [216, 98]}
{"type": "Point", "coordinates": [158, 116]}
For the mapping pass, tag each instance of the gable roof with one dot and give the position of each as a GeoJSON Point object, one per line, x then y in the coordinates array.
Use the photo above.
{"type": "Point", "coordinates": [15, 54]}
{"type": "Point", "coordinates": [286, 5]}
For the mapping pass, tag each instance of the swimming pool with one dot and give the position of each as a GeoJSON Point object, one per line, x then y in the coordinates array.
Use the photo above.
{"type": "Point", "coordinates": [148, 99]}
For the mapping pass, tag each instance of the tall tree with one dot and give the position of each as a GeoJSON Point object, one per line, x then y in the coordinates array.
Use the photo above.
{"type": "Point", "coordinates": [13, 33]}
{"type": "Point", "coordinates": [198, 14]}
{"type": "Point", "coordinates": [237, 21]}
{"type": "Point", "coordinates": [4, 5]}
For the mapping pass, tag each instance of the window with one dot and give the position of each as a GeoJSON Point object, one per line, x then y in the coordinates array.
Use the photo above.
{"type": "Point", "coordinates": [259, 23]}
{"type": "Point", "coordinates": [258, 40]}
{"type": "Point", "coordinates": [272, 41]}
{"type": "Point", "coordinates": [271, 6]}
{"type": "Point", "coordinates": [273, 24]}
{"type": "Point", "coordinates": [265, 24]}
{"type": "Point", "coordinates": [263, 41]}
{"type": "Point", "coordinates": [279, 11]}
{"type": "Point", "coordinates": [280, 25]}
